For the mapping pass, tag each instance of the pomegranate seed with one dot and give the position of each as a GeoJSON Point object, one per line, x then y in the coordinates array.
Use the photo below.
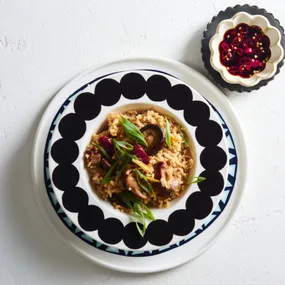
{"type": "Point", "coordinates": [141, 154]}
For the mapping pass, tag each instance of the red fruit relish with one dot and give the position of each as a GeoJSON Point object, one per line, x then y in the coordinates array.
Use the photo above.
{"type": "Point", "coordinates": [244, 50]}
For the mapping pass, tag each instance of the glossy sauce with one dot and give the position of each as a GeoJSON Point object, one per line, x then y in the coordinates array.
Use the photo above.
{"type": "Point", "coordinates": [244, 50]}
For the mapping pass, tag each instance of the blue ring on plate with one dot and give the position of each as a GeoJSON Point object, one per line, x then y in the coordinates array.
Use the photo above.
{"type": "Point", "coordinates": [233, 163]}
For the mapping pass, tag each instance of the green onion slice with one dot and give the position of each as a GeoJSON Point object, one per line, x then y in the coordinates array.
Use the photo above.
{"type": "Point", "coordinates": [139, 176]}
{"type": "Point", "coordinates": [123, 151]}
{"type": "Point", "coordinates": [195, 179]}
{"type": "Point", "coordinates": [125, 164]}
{"type": "Point", "coordinates": [108, 177]}
{"type": "Point", "coordinates": [140, 211]}
{"type": "Point", "coordinates": [103, 152]}
{"type": "Point", "coordinates": [183, 135]}
{"type": "Point", "coordinates": [133, 132]}
{"type": "Point", "coordinates": [125, 145]}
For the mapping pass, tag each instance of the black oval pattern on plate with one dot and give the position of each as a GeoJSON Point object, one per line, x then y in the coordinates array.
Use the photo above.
{"type": "Point", "coordinates": [108, 92]}
{"type": "Point", "coordinates": [64, 151]}
{"type": "Point", "coordinates": [65, 176]}
{"type": "Point", "coordinates": [209, 134]}
{"type": "Point", "coordinates": [90, 218]}
{"type": "Point", "coordinates": [74, 199]}
{"type": "Point", "coordinates": [111, 231]}
{"type": "Point", "coordinates": [132, 238]}
{"type": "Point", "coordinates": [71, 127]}
{"type": "Point", "coordinates": [213, 154]}
{"type": "Point", "coordinates": [199, 205]}
{"type": "Point", "coordinates": [157, 88]}
{"type": "Point", "coordinates": [87, 106]}
{"type": "Point", "coordinates": [197, 113]}
{"type": "Point", "coordinates": [133, 86]}
{"type": "Point", "coordinates": [181, 222]}
{"type": "Point", "coordinates": [180, 97]}
{"type": "Point", "coordinates": [159, 233]}
{"type": "Point", "coordinates": [214, 183]}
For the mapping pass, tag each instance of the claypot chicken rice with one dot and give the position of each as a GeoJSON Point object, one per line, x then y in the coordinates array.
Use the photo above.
{"type": "Point", "coordinates": [142, 158]}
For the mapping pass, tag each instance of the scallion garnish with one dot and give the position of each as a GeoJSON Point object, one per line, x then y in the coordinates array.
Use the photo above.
{"type": "Point", "coordinates": [140, 211]}
{"type": "Point", "coordinates": [194, 179]}
{"type": "Point", "coordinates": [152, 179]}
{"type": "Point", "coordinates": [183, 135]}
{"type": "Point", "coordinates": [108, 177]}
{"type": "Point", "coordinates": [122, 154]}
{"type": "Point", "coordinates": [123, 151]}
{"type": "Point", "coordinates": [124, 166]}
{"type": "Point", "coordinates": [103, 151]}
{"type": "Point", "coordinates": [133, 132]}
{"type": "Point", "coordinates": [167, 134]}
{"type": "Point", "coordinates": [142, 181]}
{"type": "Point", "coordinates": [125, 145]}
{"type": "Point", "coordinates": [148, 215]}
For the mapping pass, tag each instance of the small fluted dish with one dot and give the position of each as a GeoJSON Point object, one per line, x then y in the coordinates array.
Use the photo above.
{"type": "Point", "coordinates": [276, 50]}
{"type": "Point", "coordinates": [213, 69]}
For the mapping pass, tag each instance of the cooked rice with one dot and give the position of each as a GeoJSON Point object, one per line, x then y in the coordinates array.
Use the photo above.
{"type": "Point", "coordinates": [178, 158]}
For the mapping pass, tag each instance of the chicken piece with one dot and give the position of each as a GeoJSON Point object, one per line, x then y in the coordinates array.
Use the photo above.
{"type": "Point", "coordinates": [92, 157]}
{"type": "Point", "coordinates": [164, 174]}
{"type": "Point", "coordinates": [133, 186]}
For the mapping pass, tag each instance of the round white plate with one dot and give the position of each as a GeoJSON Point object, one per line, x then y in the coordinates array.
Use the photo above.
{"type": "Point", "coordinates": [193, 245]}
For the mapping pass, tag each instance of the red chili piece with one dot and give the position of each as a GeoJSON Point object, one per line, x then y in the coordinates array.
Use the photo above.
{"type": "Point", "coordinates": [244, 50]}
{"type": "Point", "coordinates": [141, 154]}
{"type": "Point", "coordinates": [107, 144]}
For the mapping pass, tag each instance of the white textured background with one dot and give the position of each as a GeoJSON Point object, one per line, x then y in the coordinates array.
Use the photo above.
{"type": "Point", "coordinates": [43, 44]}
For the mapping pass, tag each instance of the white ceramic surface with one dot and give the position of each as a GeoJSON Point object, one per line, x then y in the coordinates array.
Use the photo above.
{"type": "Point", "coordinates": [276, 49]}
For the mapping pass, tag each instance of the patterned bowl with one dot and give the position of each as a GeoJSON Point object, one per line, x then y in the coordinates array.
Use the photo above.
{"type": "Point", "coordinates": [84, 113]}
